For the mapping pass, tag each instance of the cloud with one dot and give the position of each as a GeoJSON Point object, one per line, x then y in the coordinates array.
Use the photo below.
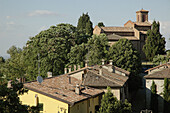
{"type": "Point", "coordinates": [42, 13]}
{"type": "Point", "coordinates": [10, 23]}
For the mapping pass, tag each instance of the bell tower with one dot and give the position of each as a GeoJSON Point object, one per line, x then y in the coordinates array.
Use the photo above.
{"type": "Point", "coordinates": [142, 15]}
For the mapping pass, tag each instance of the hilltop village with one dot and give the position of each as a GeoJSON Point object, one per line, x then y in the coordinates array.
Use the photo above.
{"type": "Point", "coordinates": [68, 69]}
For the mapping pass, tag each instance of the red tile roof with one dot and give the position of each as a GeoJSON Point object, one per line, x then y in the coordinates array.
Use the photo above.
{"type": "Point", "coordinates": [59, 88]}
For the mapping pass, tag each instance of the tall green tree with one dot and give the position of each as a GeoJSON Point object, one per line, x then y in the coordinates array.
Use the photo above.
{"type": "Point", "coordinates": [166, 95]}
{"type": "Point", "coordinates": [154, 98]}
{"type": "Point", "coordinates": [49, 50]}
{"type": "Point", "coordinates": [126, 57]}
{"type": "Point", "coordinates": [84, 29]}
{"type": "Point", "coordinates": [97, 49]}
{"type": "Point", "coordinates": [100, 24]}
{"type": "Point", "coordinates": [110, 104]}
{"type": "Point", "coordinates": [155, 43]}
{"type": "Point", "coordinates": [77, 54]}
{"type": "Point", "coordinates": [94, 50]}
{"type": "Point", "coordinates": [2, 61]}
{"type": "Point", "coordinates": [14, 66]}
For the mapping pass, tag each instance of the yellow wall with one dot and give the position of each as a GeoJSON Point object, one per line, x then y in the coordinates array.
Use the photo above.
{"type": "Point", "coordinates": [84, 107]}
{"type": "Point", "coordinates": [50, 105]}
{"type": "Point", "coordinates": [116, 92]}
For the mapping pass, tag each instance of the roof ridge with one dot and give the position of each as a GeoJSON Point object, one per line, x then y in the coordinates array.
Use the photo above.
{"type": "Point", "coordinates": [105, 78]}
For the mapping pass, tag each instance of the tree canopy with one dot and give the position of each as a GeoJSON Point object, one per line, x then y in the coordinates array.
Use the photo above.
{"type": "Point", "coordinates": [52, 45]}
{"type": "Point", "coordinates": [84, 29]}
{"type": "Point", "coordinates": [94, 50]}
{"type": "Point", "coordinates": [155, 43]}
{"type": "Point", "coordinates": [9, 99]}
{"type": "Point", "coordinates": [125, 56]}
{"type": "Point", "coordinates": [100, 24]}
{"type": "Point", "coordinates": [14, 66]}
{"type": "Point", "coordinates": [154, 98]}
{"type": "Point", "coordinates": [110, 104]}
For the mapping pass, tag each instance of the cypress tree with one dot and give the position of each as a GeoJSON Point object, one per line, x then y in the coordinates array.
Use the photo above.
{"type": "Point", "coordinates": [110, 104]}
{"type": "Point", "coordinates": [166, 95]}
{"type": "Point", "coordinates": [85, 26]}
{"type": "Point", "coordinates": [154, 100]}
{"type": "Point", "coordinates": [155, 43]}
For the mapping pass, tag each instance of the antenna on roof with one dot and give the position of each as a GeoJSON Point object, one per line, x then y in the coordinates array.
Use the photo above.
{"type": "Point", "coordinates": [39, 79]}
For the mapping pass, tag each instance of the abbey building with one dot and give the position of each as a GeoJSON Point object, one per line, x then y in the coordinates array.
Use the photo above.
{"type": "Point", "coordinates": [133, 31]}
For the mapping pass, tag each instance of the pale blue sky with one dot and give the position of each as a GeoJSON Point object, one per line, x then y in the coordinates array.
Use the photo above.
{"type": "Point", "coordinates": [21, 19]}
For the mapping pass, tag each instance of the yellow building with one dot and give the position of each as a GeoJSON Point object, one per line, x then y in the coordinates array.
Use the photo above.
{"type": "Point", "coordinates": [62, 94]}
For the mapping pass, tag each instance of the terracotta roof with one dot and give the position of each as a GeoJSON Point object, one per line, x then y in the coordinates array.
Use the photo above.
{"type": "Point", "coordinates": [143, 23]}
{"type": "Point", "coordinates": [117, 37]}
{"type": "Point", "coordinates": [117, 29]}
{"type": "Point", "coordinates": [142, 10]}
{"type": "Point", "coordinates": [60, 89]}
{"type": "Point", "coordinates": [106, 79]}
{"type": "Point", "coordinates": [122, 70]}
{"type": "Point", "coordinates": [166, 64]}
{"type": "Point", "coordinates": [165, 73]}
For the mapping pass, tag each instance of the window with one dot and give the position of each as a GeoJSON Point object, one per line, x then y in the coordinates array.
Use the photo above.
{"type": "Point", "coordinates": [143, 18]}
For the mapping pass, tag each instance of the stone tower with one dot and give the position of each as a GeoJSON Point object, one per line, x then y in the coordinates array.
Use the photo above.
{"type": "Point", "coordinates": [142, 16]}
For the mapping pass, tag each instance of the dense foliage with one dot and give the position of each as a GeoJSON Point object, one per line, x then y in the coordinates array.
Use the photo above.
{"type": "Point", "coordinates": [100, 24]}
{"type": "Point", "coordinates": [110, 104]}
{"type": "Point", "coordinates": [94, 50]}
{"type": "Point", "coordinates": [84, 29]}
{"type": "Point", "coordinates": [125, 56]}
{"type": "Point", "coordinates": [166, 95]}
{"type": "Point", "coordinates": [161, 59]}
{"type": "Point", "coordinates": [14, 66]}
{"type": "Point", "coordinates": [50, 49]}
{"type": "Point", "coordinates": [154, 98]}
{"type": "Point", "coordinates": [97, 49]}
{"type": "Point", "coordinates": [2, 61]}
{"type": "Point", "coordinates": [9, 99]}
{"type": "Point", "coordinates": [155, 43]}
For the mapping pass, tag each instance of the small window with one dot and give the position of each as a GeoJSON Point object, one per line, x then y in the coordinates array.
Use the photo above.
{"type": "Point", "coordinates": [143, 18]}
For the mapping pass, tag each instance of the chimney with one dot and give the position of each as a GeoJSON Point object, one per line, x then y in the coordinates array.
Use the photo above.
{"type": "Point", "coordinates": [49, 74]}
{"type": "Point", "coordinates": [82, 78]}
{"type": "Point", "coordinates": [69, 69]}
{"type": "Point", "coordinates": [65, 70]}
{"type": "Point", "coordinates": [102, 61]}
{"type": "Point", "coordinates": [111, 62]}
{"type": "Point", "coordinates": [100, 70]}
{"type": "Point", "coordinates": [78, 66]}
{"type": "Point", "coordinates": [86, 63]}
{"type": "Point", "coordinates": [22, 79]}
{"type": "Point", "coordinates": [74, 67]}
{"type": "Point", "coordinates": [9, 84]}
{"type": "Point", "coordinates": [77, 90]}
{"type": "Point", "coordinates": [69, 79]}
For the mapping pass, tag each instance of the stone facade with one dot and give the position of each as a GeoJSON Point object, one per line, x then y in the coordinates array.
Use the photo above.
{"type": "Point", "coordinates": [157, 74]}
{"type": "Point", "coordinates": [133, 31]}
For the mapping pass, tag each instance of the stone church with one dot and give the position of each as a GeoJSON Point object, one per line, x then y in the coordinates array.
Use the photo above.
{"type": "Point", "coordinates": [133, 31]}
